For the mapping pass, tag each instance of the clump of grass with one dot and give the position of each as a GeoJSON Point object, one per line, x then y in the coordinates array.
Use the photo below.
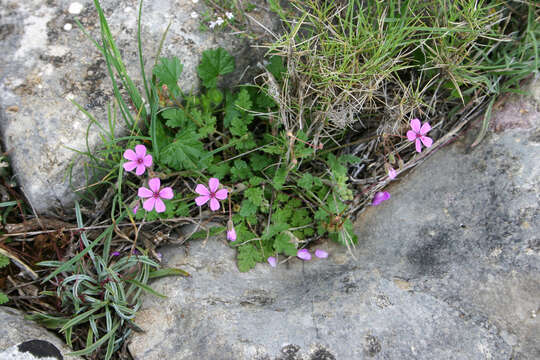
{"type": "Point", "coordinates": [359, 71]}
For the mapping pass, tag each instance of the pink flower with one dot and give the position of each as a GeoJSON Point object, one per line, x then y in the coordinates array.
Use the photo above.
{"type": "Point", "coordinates": [154, 195]}
{"type": "Point", "coordinates": [380, 197]}
{"type": "Point", "coordinates": [321, 254]}
{"type": "Point", "coordinates": [213, 194]}
{"type": "Point", "coordinates": [135, 209]}
{"type": "Point", "coordinates": [303, 254]}
{"type": "Point", "coordinates": [138, 159]}
{"type": "Point", "coordinates": [231, 235]}
{"type": "Point", "coordinates": [272, 261]}
{"type": "Point", "coordinates": [391, 173]}
{"type": "Point", "coordinates": [418, 134]}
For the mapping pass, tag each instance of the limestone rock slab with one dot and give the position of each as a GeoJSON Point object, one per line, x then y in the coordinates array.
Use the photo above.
{"type": "Point", "coordinates": [47, 62]}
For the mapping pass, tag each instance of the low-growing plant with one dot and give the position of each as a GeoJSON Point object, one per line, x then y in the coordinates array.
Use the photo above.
{"type": "Point", "coordinates": [99, 290]}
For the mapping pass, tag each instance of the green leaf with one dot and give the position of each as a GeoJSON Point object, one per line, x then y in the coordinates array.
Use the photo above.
{"type": "Point", "coordinates": [306, 182]}
{"type": "Point", "coordinates": [279, 178]}
{"type": "Point", "coordinates": [215, 95]}
{"type": "Point", "coordinates": [247, 257]}
{"type": "Point", "coordinates": [219, 171]}
{"type": "Point", "coordinates": [259, 161]}
{"type": "Point", "coordinates": [284, 244]}
{"type": "Point", "coordinates": [275, 229]}
{"type": "Point", "coordinates": [213, 64]}
{"type": "Point", "coordinates": [248, 208]}
{"type": "Point", "coordinates": [176, 118]}
{"type": "Point", "coordinates": [168, 71]}
{"type": "Point", "coordinates": [276, 67]}
{"type": "Point", "coordinates": [240, 170]}
{"type": "Point", "coordinates": [256, 180]}
{"type": "Point", "coordinates": [146, 288]}
{"type": "Point", "coordinates": [255, 195]}
{"type": "Point", "coordinates": [4, 261]}
{"type": "Point", "coordinates": [239, 123]}
{"type": "Point", "coordinates": [3, 298]}
{"type": "Point", "coordinates": [351, 159]}
{"type": "Point", "coordinates": [243, 100]}
{"type": "Point", "coordinates": [167, 272]}
{"type": "Point", "coordinates": [184, 153]}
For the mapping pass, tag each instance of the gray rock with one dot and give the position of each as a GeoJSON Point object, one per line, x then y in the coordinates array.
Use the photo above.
{"type": "Point", "coordinates": [32, 350]}
{"type": "Point", "coordinates": [449, 268]}
{"type": "Point", "coordinates": [22, 339]}
{"type": "Point", "coordinates": [45, 66]}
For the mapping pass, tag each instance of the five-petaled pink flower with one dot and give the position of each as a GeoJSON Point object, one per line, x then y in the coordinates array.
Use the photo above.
{"type": "Point", "coordinates": [380, 197]}
{"type": "Point", "coordinates": [418, 134]}
{"type": "Point", "coordinates": [154, 195]}
{"type": "Point", "coordinates": [138, 160]}
{"type": "Point", "coordinates": [211, 193]}
{"type": "Point", "coordinates": [321, 254]}
{"type": "Point", "coordinates": [272, 261]}
{"type": "Point", "coordinates": [303, 254]}
{"type": "Point", "coordinates": [392, 173]}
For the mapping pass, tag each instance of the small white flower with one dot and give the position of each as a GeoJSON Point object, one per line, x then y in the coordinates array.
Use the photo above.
{"type": "Point", "coordinates": [229, 15]}
{"type": "Point", "coordinates": [219, 20]}
{"type": "Point", "coordinates": [194, 15]}
{"type": "Point", "coordinates": [212, 24]}
{"type": "Point", "coordinates": [195, 1]}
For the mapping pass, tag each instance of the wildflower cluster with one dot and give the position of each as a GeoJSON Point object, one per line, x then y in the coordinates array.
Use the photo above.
{"type": "Point", "coordinates": [277, 206]}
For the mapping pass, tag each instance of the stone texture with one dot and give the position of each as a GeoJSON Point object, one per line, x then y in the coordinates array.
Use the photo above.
{"type": "Point", "coordinates": [15, 330]}
{"type": "Point", "coordinates": [47, 66]}
{"type": "Point", "coordinates": [449, 268]}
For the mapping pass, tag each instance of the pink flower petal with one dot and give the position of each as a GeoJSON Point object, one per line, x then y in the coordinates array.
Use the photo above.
{"type": "Point", "coordinates": [418, 145]}
{"type": "Point", "coordinates": [149, 203]}
{"type": "Point", "coordinates": [427, 141]}
{"type": "Point", "coordinates": [392, 173]}
{"type": "Point", "coordinates": [425, 129]}
{"type": "Point", "coordinates": [221, 194]}
{"type": "Point", "coordinates": [213, 184]}
{"type": "Point", "coordinates": [135, 209]}
{"type": "Point", "coordinates": [147, 161]}
{"type": "Point", "coordinates": [202, 190]}
{"type": "Point", "coordinates": [415, 125]}
{"type": "Point", "coordinates": [140, 169]}
{"type": "Point", "coordinates": [303, 254]}
{"type": "Point", "coordinates": [145, 193]}
{"type": "Point", "coordinates": [231, 235]}
{"type": "Point", "coordinates": [272, 261]}
{"type": "Point", "coordinates": [130, 165]}
{"type": "Point", "coordinates": [214, 204]}
{"type": "Point", "coordinates": [130, 155]}
{"type": "Point", "coordinates": [201, 200]}
{"type": "Point", "coordinates": [154, 184]}
{"type": "Point", "coordinates": [160, 205]}
{"type": "Point", "coordinates": [411, 135]}
{"type": "Point", "coordinates": [380, 197]}
{"type": "Point", "coordinates": [140, 150]}
{"type": "Point", "coordinates": [321, 254]}
{"type": "Point", "coordinates": [166, 193]}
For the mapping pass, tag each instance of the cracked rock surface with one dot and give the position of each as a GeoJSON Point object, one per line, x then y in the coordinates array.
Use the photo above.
{"type": "Point", "coordinates": [449, 268]}
{"type": "Point", "coordinates": [48, 62]}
